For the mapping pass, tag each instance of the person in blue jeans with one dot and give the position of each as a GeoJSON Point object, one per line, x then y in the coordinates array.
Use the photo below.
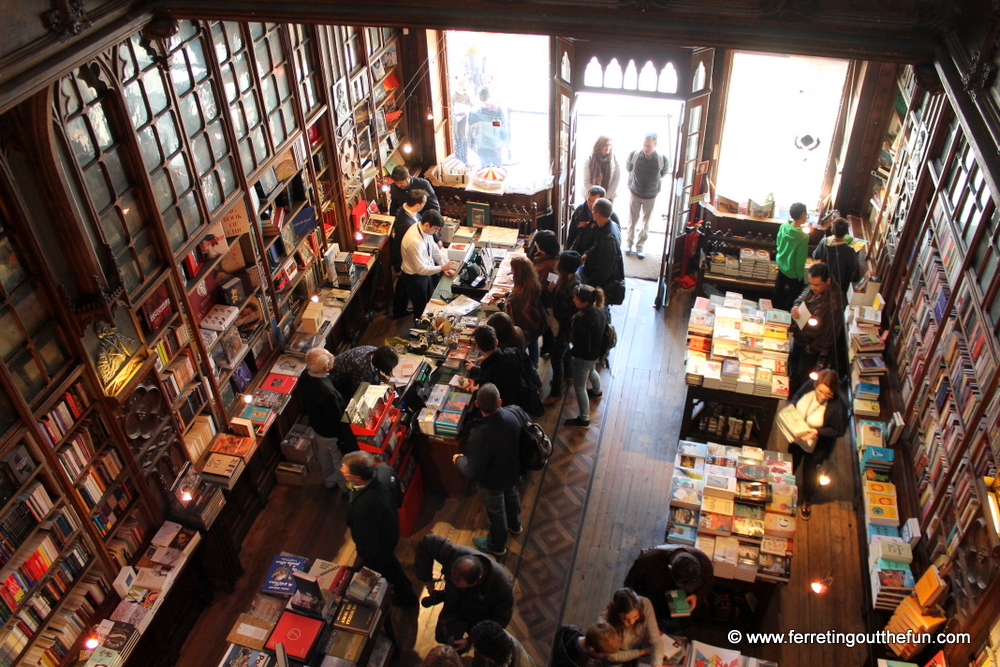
{"type": "Point", "coordinates": [493, 464]}
{"type": "Point", "coordinates": [587, 335]}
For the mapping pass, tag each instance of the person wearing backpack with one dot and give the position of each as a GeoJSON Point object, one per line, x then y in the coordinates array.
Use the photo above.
{"type": "Point", "coordinates": [493, 464]}
{"type": "Point", "coordinates": [646, 169]}
{"type": "Point", "coordinates": [588, 329]}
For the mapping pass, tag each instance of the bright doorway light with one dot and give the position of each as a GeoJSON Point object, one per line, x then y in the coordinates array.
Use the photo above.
{"type": "Point", "coordinates": [780, 117]}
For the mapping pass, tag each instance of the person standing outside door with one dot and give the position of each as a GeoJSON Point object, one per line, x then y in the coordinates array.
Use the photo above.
{"type": "Point", "coordinates": [646, 169]}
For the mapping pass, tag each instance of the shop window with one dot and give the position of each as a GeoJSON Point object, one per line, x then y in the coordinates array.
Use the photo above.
{"type": "Point", "coordinates": [305, 69]}
{"type": "Point", "coordinates": [780, 116]}
{"type": "Point", "coordinates": [510, 128]}
{"type": "Point", "coordinates": [29, 342]}
{"type": "Point", "coordinates": [274, 75]}
{"type": "Point", "coordinates": [94, 136]}
{"type": "Point", "coordinates": [241, 95]}
{"type": "Point", "coordinates": [644, 79]}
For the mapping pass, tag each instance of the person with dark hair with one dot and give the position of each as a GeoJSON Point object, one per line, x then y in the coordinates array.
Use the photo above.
{"type": "Point", "coordinates": [544, 253]}
{"type": "Point", "coordinates": [409, 213]}
{"type": "Point", "coordinates": [488, 130]}
{"type": "Point", "coordinates": [815, 343]}
{"type": "Point", "coordinates": [476, 588]}
{"type": "Point", "coordinates": [601, 168]}
{"type": "Point", "coordinates": [364, 363]}
{"type": "Point", "coordinates": [498, 366]}
{"type": "Point", "coordinates": [574, 648]}
{"type": "Point", "coordinates": [373, 518]}
{"type": "Point", "coordinates": [402, 183]}
{"type": "Point", "coordinates": [422, 259]}
{"type": "Point", "coordinates": [493, 465]}
{"type": "Point", "coordinates": [495, 647]}
{"type": "Point", "coordinates": [442, 655]}
{"type": "Point", "coordinates": [820, 405]}
{"type": "Point", "coordinates": [646, 170]}
{"type": "Point", "coordinates": [602, 263]}
{"type": "Point", "coordinates": [587, 336]}
{"type": "Point", "coordinates": [669, 567]}
{"type": "Point", "coordinates": [525, 306]}
{"type": "Point", "coordinates": [791, 250]}
{"type": "Point", "coordinates": [508, 334]}
{"type": "Point", "coordinates": [580, 230]}
{"type": "Point", "coordinates": [563, 309]}
{"type": "Point", "coordinates": [634, 619]}
{"type": "Point", "coordinates": [837, 253]}
{"type": "Point", "coordinates": [325, 406]}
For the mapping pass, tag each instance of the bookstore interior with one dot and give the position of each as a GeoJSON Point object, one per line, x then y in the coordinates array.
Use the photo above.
{"type": "Point", "coordinates": [190, 201]}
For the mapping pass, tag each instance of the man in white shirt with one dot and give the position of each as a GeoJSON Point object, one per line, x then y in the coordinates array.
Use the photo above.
{"type": "Point", "coordinates": [422, 259]}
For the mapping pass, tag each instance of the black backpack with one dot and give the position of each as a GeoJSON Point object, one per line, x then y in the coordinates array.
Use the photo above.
{"type": "Point", "coordinates": [534, 447]}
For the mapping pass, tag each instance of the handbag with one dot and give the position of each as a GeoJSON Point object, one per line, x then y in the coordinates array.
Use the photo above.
{"type": "Point", "coordinates": [614, 289]}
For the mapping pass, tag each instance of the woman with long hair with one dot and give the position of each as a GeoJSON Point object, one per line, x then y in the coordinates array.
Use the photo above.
{"type": "Point", "coordinates": [633, 617]}
{"type": "Point", "coordinates": [524, 305]}
{"type": "Point", "coordinates": [587, 334]}
{"type": "Point", "coordinates": [819, 403]}
{"type": "Point", "coordinates": [508, 334]}
{"type": "Point", "coordinates": [601, 168]}
{"type": "Point", "coordinates": [563, 310]}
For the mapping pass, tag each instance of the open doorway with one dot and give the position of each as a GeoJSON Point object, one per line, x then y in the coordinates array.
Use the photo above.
{"type": "Point", "coordinates": [626, 120]}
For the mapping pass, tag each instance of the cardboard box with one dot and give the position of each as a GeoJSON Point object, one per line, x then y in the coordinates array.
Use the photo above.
{"type": "Point", "coordinates": [312, 317]}
{"type": "Point", "coordinates": [291, 473]}
{"type": "Point", "coordinates": [459, 252]}
{"type": "Point", "coordinates": [298, 454]}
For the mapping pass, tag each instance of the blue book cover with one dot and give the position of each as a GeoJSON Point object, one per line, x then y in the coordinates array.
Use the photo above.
{"type": "Point", "coordinates": [888, 531]}
{"type": "Point", "coordinates": [279, 579]}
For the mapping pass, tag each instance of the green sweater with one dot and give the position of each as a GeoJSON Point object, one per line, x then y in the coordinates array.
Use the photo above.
{"type": "Point", "coordinates": [792, 249]}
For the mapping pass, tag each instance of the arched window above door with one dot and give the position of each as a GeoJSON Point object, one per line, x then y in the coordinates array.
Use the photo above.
{"type": "Point", "coordinates": [649, 70]}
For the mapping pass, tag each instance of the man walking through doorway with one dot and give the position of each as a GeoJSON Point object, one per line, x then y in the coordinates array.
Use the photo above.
{"type": "Point", "coordinates": [646, 169]}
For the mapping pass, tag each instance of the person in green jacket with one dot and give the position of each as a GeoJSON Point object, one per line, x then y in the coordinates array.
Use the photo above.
{"type": "Point", "coordinates": [790, 255]}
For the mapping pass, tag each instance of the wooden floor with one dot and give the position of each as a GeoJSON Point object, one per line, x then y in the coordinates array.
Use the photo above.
{"type": "Point", "coordinates": [601, 500]}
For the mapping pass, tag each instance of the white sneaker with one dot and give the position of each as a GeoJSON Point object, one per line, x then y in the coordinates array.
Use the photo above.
{"type": "Point", "coordinates": [628, 250]}
{"type": "Point", "coordinates": [639, 253]}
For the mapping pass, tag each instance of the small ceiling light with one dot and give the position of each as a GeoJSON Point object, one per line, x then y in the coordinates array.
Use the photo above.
{"type": "Point", "coordinates": [314, 298]}
{"type": "Point", "coordinates": [407, 148]}
{"type": "Point", "coordinates": [248, 399]}
{"type": "Point", "coordinates": [822, 585]}
{"type": "Point", "coordinates": [430, 116]}
{"type": "Point", "coordinates": [91, 643]}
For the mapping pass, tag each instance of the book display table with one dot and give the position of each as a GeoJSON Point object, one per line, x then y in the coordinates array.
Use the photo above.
{"type": "Point", "coordinates": [698, 400]}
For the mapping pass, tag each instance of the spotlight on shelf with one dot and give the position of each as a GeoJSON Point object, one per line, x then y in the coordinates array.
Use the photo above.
{"type": "Point", "coordinates": [359, 237]}
{"type": "Point", "coordinates": [314, 298]}
{"type": "Point", "coordinates": [186, 496]}
{"type": "Point", "coordinates": [812, 321]}
{"type": "Point", "coordinates": [407, 148]}
{"type": "Point", "coordinates": [248, 399]}
{"type": "Point", "coordinates": [91, 643]}
{"type": "Point", "coordinates": [822, 585]}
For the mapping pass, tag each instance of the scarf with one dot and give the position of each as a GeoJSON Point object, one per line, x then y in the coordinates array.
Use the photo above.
{"type": "Point", "coordinates": [600, 170]}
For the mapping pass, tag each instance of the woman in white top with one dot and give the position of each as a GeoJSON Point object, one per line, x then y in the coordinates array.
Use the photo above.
{"type": "Point", "coordinates": [819, 403]}
{"type": "Point", "coordinates": [634, 619]}
{"type": "Point", "coordinates": [601, 168]}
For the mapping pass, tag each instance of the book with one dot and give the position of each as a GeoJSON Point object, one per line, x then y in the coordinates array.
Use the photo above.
{"type": "Point", "coordinates": [356, 617]}
{"type": "Point", "coordinates": [715, 524]}
{"type": "Point", "coordinates": [267, 607]}
{"type": "Point", "coordinates": [706, 655]}
{"type": "Point", "coordinates": [344, 645]}
{"type": "Point", "coordinates": [296, 632]}
{"type": "Point", "coordinates": [362, 583]}
{"type": "Point", "coordinates": [280, 579]}
{"type": "Point", "coordinates": [677, 601]}
{"type": "Point", "coordinates": [325, 572]}
{"type": "Point", "coordinates": [219, 318]}
{"type": "Point", "coordinates": [244, 656]}
{"type": "Point", "coordinates": [250, 631]}
{"type": "Point", "coordinates": [234, 445]}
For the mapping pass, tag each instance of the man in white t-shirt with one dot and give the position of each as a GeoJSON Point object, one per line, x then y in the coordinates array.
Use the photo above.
{"type": "Point", "coordinates": [421, 259]}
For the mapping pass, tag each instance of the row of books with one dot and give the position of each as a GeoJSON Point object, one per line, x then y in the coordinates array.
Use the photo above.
{"type": "Point", "coordinates": [102, 474]}
{"type": "Point", "coordinates": [128, 539]}
{"type": "Point", "coordinates": [189, 404]}
{"type": "Point", "coordinates": [754, 263]}
{"type": "Point", "coordinates": [737, 504]}
{"type": "Point", "coordinates": [142, 590]}
{"type": "Point", "coordinates": [172, 341]}
{"type": "Point", "coordinates": [918, 613]}
{"type": "Point", "coordinates": [76, 454]}
{"type": "Point", "coordinates": [54, 643]}
{"type": "Point", "coordinates": [114, 506]}
{"type": "Point", "coordinates": [61, 418]}
{"type": "Point", "coordinates": [177, 375]}
{"type": "Point", "coordinates": [738, 345]}
{"type": "Point", "coordinates": [32, 506]}
{"type": "Point", "coordinates": [444, 412]}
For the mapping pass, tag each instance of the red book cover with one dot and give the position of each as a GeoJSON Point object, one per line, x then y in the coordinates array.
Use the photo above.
{"type": "Point", "coordinates": [203, 298]}
{"type": "Point", "coordinates": [73, 406]}
{"type": "Point", "coordinates": [937, 661]}
{"type": "Point", "coordinates": [157, 308]}
{"type": "Point", "coordinates": [296, 632]}
{"type": "Point", "coordinates": [280, 383]}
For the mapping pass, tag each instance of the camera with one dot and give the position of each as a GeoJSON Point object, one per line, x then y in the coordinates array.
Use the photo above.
{"type": "Point", "coordinates": [437, 597]}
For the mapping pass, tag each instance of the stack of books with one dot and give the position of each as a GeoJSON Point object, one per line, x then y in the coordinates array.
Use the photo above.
{"type": "Point", "coordinates": [194, 500]}
{"type": "Point", "coordinates": [222, 469]}
{"type": "Point", "coordinates": [919, 613]}
{"type": "Point", "coordinates": [737, 504]}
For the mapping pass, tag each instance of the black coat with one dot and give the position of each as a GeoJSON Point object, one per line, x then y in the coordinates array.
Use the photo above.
{"type": "Point", "coordinates": [604, 257]}
{"type": "Point", "coordinates": [566, 649]}
{"type": "Point", "coordinates": [834, 420]}
{"type": "Point", "coordinates": [493, 461]}
{"type": "Point", "coordinates": [492, 599]}
{"type": "Point", "coordinates": [373, 515]}
{"type": "Point", "coordinates": [325, 406]}
{"type": "Point", "coordinates": [587, 333]}
{"type": "Point", "coordinates": [503, 369]}
{"type": "Point", "coordinates": [650, 577]}
{"type": "Point", "coordinates": [397, 196]}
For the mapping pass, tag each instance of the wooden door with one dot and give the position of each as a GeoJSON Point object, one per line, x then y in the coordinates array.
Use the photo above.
{"type": "Point", "coordinates": [563, 132]}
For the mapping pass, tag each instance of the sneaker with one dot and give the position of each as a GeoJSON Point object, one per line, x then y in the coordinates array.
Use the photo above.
{"type": "Point", "coordinates": [516, 531]}
{"type": "Point", "coordinates": [576, 422]}
{"type": "Point", "coordinates": [483, 544]}
{"type": "Point", "coordinates": [628, 250]}
{"type": "Point", "coordinates": [640, 254]}
{"type": "Point", "coordinates": [805, 509]}
{"type": "Point", "coordinates": [594, 394]}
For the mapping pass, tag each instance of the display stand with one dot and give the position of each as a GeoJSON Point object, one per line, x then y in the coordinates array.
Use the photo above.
{"type": "Point", "coordinates": [696, 396]}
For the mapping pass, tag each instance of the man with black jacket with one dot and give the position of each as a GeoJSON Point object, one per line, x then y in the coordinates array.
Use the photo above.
{"type": "Point", "coordinates": [373, 517]}
{"type": "Point", "coordinates": [476, 588]}
{"type": "Point", "coordinates": [325, 406]}
{"type": "Point", "coordinates": [500, 367]}
{"type": "Point", "coordinates": [603, 262]}
{"type": "Point", "coordinates": [493, 464]}
{"type": "Point", "coordinates": [409, 213]}
{"type": "Point", "coordinates": [402, 183]}
{"type": "Point", "coordinates": [669, 567]}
